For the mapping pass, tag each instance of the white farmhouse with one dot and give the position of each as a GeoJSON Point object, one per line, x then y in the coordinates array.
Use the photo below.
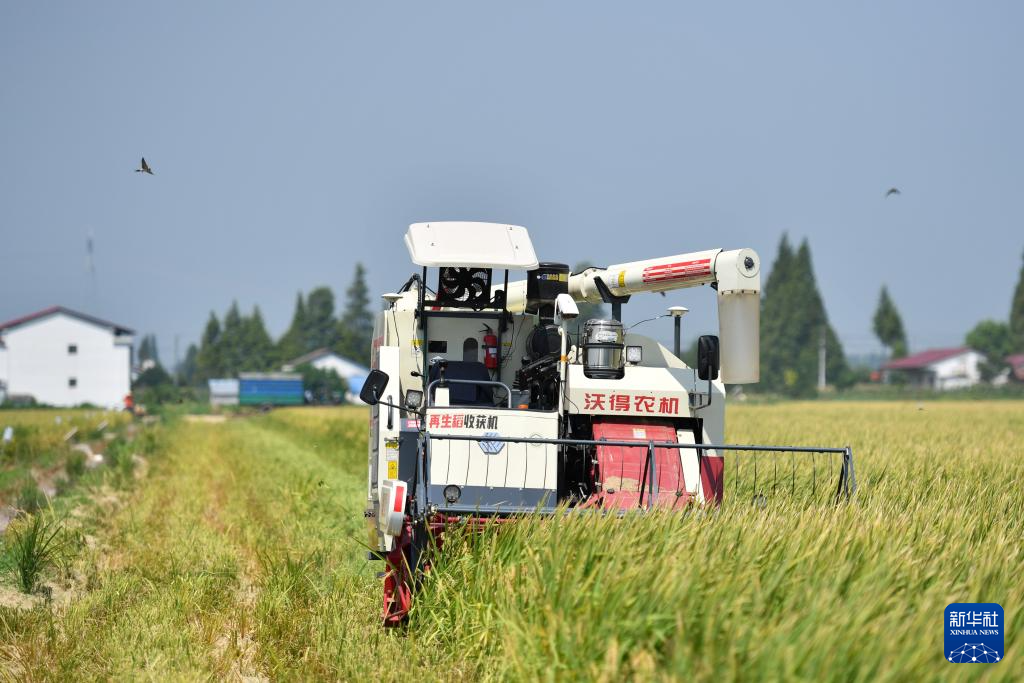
{"type": "Point", "coordinates": [62, 357]}
{"type": "Point", "coordinates": [941, 369]}
{"type": "Point", "coordinates": [325, 359]}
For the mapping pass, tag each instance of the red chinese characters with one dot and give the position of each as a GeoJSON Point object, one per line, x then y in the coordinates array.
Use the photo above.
{"type": "Point", "coordinates": [625, 403]}
{"type": "Point", "coordinates": [619, 402]}
{"type": "Point", "coordinates": [669, 406]}
{"type": "Point", "coordinates": [461, 421]}
{"type": "Point", "coordinates": [644, 404]}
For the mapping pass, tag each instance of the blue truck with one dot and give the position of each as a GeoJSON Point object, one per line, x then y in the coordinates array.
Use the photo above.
{"type": "Point", "coordinates": [270, 389]}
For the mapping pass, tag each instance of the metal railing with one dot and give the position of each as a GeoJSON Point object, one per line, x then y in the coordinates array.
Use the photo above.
{"type": "Point", "coordinates": [845, 488]}
{"type": "Point", "coordinates": [443, 382]}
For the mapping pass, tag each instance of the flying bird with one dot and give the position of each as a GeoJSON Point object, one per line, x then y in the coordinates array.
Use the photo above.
{"type": "Point", "coordinates": [892, 190]}
{"type": "Point", "coordinates": [144, 168]}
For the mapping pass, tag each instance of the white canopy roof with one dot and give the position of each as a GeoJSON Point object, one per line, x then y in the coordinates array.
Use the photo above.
{"type": "Point", "coordinates": [467, 244]}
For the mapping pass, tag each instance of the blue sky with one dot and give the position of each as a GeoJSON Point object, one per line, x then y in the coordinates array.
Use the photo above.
{"type": "Point", "coordinates": [291, 141]}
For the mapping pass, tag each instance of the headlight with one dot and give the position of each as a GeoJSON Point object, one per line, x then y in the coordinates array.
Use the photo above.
{"type": "Point", "coordinates": [413, 399]}
{"type": "Point", "coordinates": [634, 354]}
{"type": "Point", "coordinates": [452, 493]}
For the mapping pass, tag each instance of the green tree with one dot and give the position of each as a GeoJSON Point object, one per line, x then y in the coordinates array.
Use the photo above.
{"type": "Point", "coordinates": [209, 363]}
{"type": "Point", "coordinates": [147, 350]}
{"type": "Point", "coordinates": [1017, 315]}
{"type": "Point", "coordinates": [326, 386]}
{"type": "Point", "coordinates": [232, 342]}
{"type": "Point", "coordinates": [320, 329]}
{"type": "Point", "coordinates": [793, 320]}
{"type": "Point", "coordinates": [155, 376]}
{"type": "Point", "coordinates": [188, 371]}
{"type": "Point", "coordinates": [257, 347]}
{"type": "Point", "coordinates": [994, 340]}
{"type": "Point", "coordinates": [888, 326]}
{"type": "Point", "coordinates": [154, 386]}
{"type": "Point", "coordinates": [777, 319]}
{"type": "Point", "coordinates": [355, 330]}
{"type": "Point", "coordinates": [293, 342]}
{"type": "Point", "coordinates": [815, 324]}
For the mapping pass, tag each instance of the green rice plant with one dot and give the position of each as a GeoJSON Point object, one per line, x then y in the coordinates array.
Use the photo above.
{"type": "Point", "coordinates": [120, 461]}
{"type": "Point", "coordinates": [74, 464]}
{"type": "Point", "coordinates": [37, 544]}
{"type": "Point", "coordinates": [30, 499]}
{"type": "Point", "coordinates": [231, 560]}
{"type": "Point", "coordinates": [63, 486]}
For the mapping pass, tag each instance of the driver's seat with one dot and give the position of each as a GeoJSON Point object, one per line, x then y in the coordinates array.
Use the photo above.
{"type": "Point", "coordinates": [466, 394]}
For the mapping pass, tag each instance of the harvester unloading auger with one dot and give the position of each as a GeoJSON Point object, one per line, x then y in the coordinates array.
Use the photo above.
{"type": "Point", "coordinates": [485, 405]}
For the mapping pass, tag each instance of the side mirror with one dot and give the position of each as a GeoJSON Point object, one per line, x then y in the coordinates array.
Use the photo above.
{"type": "Point", "coordinates": [707, 357]}
{"type": "Point", "coordinates": [375, 384]}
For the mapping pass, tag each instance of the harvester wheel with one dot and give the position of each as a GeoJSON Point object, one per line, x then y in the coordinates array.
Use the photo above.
{"type": "Point", "coordinates": [398, 580]}
{"type": "Point", "coordinates": [403, 565]}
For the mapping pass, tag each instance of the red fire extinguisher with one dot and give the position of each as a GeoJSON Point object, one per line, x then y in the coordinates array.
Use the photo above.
{"type": "Point", "coordinates": [490, 350]}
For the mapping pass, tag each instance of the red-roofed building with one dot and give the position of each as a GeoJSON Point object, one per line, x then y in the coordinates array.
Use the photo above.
{"type": "Point", "coordinates": [955, 368]}
{"type": "Point", "coordinates": [61, 357]}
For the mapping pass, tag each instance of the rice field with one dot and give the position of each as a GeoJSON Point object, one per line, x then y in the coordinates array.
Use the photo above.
{"type": "Point", "coordinates": [36, 444]}
{"type": "Point", "coordinates": [240, 556]}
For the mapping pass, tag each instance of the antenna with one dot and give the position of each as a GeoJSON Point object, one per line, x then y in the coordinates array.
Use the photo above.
{"type": "Point", "coordinates": [90, 262]}
{"type": "Point", "coordinates": [677, 313]}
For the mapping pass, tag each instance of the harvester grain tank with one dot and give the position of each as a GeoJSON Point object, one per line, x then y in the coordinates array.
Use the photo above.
{"type": "Point", "coordinates": [485, 405]}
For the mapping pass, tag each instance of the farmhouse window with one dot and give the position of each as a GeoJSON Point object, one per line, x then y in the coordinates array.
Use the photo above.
{"type": "Point", "coordinates": [72, 382]}
{"type": "Point", "coordinates": [72, 349]}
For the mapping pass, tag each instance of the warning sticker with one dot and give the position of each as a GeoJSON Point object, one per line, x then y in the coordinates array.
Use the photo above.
{"type": "Point", "coordinates": [392, 469]}
{"type": "Point", "coordinates": [682, 270]}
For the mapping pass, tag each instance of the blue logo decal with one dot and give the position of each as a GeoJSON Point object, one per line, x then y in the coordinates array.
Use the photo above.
{"type": "Point", "coordinates": [491, 447]}
{"type": "Point", "coordinates": [974, 633]}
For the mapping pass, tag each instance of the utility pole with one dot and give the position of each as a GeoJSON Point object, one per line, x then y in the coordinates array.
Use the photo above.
{"type": "Point", "coordinates": [821, 360]}
{"type": "Point", "coordinates": [176, 371]}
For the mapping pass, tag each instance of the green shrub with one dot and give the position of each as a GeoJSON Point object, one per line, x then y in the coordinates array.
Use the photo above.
{"type": "Point", "coordinates": [119, 459]}
{"type": "Point", "coordinates": [37, 542]}
{"type": "Point", "coordinates": [74, 466]}
{"type": "Point", "coordinates": [63, 485]}
{"type": "Point", "coordinates": [30, 499]}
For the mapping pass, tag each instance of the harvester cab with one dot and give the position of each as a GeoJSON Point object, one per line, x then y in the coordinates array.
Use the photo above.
{"type": "Point", "coordinates": [491, 398]}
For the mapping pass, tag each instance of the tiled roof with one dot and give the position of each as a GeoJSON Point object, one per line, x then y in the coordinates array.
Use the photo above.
{"type": "Point", "coordinates": [924, 358]}
{"type": "Point", "coordinates": [119, 329]}
{"type": "Point", "coordinates": [312, 356]}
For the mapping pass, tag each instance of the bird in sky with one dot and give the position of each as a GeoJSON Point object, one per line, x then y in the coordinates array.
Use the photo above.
{"type": "Point", "coordinates": [892, 190]}
{"type": "Point", "coordinates": [144, 167]}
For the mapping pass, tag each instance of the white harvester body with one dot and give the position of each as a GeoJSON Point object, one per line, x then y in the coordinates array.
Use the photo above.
{"type": "Point", "coordinates": [502, 477]}
{"type": "Point", "coordinates": [491, 398]}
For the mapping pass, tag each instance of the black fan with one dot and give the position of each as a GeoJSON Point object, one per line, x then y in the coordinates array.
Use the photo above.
{"type": "Point", "coordinates": [464, 287]}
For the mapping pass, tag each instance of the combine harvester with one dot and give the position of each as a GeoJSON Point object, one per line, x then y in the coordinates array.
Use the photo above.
{"type": "Point", "coordinates": [485, 405]}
